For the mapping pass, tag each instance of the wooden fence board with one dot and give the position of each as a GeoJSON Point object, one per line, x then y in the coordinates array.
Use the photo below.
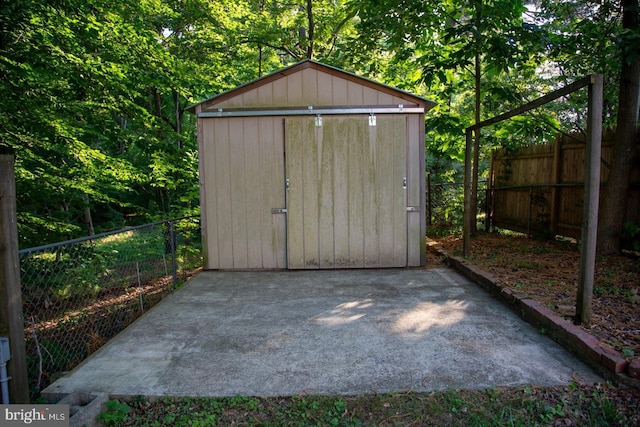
{"type": "Point", "coordinates": [539, 188]}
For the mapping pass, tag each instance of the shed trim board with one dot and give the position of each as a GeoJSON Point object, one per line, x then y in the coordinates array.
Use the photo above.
{"type": "Point", "coordinates": [311, 111]}
{"type": "Point", "coordinates": [282, 189]}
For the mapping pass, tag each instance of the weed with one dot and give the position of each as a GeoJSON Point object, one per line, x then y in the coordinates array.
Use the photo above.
{"type": "Point", "coordinates": [528, 265]}
{"type": "Point", "coordinates": [550, 412]}
{"type": "Point", "coordinates": [116, 413]}
{"type": "Point", "coordinates": [628, 352]}
{"type": "Point", "coordinates": [632, 233]}
{"type": "Point", "coordinates": [541, 249]}
{"type": "Point", "coordinates": [603, 411]}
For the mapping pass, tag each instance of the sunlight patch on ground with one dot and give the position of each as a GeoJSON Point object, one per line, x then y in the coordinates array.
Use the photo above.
{"type": "Point", "coordinates": [346, 312]}
{"type": "Point", "coordinates": [427, 315]}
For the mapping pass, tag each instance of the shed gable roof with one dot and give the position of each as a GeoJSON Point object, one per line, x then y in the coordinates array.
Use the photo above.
{"type": "Point", "coordinates": [310, 83]}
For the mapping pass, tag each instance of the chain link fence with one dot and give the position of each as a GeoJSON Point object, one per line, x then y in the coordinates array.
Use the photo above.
{"type": "Point", "coordinates": [80, 293]}
{"type": "Point", "coordinates": [445, 206]}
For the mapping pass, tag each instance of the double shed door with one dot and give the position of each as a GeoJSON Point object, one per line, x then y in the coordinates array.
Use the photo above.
{"type": "Point", "coordinates": [346, 191]}
{"type": "Point", "coordinates": [345, 199]}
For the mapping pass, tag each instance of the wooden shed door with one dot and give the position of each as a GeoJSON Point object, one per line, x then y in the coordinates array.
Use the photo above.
{"type": "Point", "coordinates": [346, 201]}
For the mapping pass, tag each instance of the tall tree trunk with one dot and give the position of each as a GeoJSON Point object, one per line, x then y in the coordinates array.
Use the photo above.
{"type": "Point", "coordinates": [87, 215]}
{"type": "Point", "coordinates": [179, 112]}
{"type": "Point", "coordinates": [476, 141]}
{"type": "Point", "coordinates": [627, 137]}
{"type": "Point", "coordinates": [157, 104]}
{"type": "Point", "coordinates": [311, 29]}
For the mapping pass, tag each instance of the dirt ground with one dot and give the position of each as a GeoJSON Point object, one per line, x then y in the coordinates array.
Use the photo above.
{"type": "Point", "coordinates": [548, 272]}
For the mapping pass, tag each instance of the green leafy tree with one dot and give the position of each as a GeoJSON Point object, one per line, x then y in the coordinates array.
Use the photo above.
{"type": "Point", "coordinates": [591, 36]}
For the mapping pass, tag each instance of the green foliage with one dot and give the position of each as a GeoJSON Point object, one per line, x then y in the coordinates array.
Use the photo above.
{"type": "Point", "coordinates": [632, 233]}
{"type": "Point", "coordinates": [95, 93]}
{"type": "Point", "coordinates": [115, 415]}
{"type": "Point", "coordinates": [573, 404]}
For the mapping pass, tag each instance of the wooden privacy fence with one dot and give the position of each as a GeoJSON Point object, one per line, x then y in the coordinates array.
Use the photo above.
{"type": "Point", "coordinates": [539, 189]}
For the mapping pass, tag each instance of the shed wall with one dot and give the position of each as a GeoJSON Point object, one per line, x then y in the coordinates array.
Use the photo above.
{"type": "Point", "coordinates": [356, 196]}
{"type": "Point", "coordinates": [242, 179]}
{"type": "Point", "coordinates": [308, 87]}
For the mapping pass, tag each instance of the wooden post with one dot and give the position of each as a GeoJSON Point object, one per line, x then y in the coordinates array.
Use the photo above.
{"type": "Point", "coordinates": [468, 215]}
{"type": "Point", "coordinates": [591, 200]}
{"type": "Point", "coordinates": [11, 317]}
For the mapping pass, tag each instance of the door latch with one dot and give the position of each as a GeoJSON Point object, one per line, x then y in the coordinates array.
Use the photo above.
{"type": "Point", "coordinates": [404, 182]}
{"type": "Point", "coordinates": [286, 184]}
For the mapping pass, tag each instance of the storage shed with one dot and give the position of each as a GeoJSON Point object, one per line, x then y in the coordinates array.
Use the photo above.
{"type": "Point", "coordinates": [312, 167]}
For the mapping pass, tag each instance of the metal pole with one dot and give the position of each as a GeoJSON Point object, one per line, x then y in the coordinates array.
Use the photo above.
{"type": "Point", "coordinates": [11, 316]}
{"type": "Point", "coordinates": [591, 200]}
{"type": "Point", "coordinates": [139, 287]}
{"type": "Point", "coordinates": [5, 356]}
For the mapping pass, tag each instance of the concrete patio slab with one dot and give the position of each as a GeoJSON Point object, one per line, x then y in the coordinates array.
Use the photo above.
{"type": "Point", "coordinates": [323, 332]}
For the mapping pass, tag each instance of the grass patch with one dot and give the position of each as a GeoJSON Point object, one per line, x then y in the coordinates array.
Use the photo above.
{"type": "Point", "coordinates": [572, 405]}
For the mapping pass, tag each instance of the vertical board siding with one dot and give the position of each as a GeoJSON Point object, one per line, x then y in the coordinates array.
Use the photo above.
{"type": "Point", "coordinates": [244, 166]}
{"type": "Point", "coordinates": [340, 130]}
{"type": "Point", "coordinates": [356, 145]}
{"type": "Point", "coordinates": [347, 204]}
{"type": "Point", "coordinates": [273, 228]}
{"type": "Point", "coordinates": [415, 192]}
{"type": "Point", "coordinates": [399, 198]}
{"type": "Point", "coordinates": [311, 143]}
{"type": "Point", "coordinates": [325, 91]}
{"type": "Point", "coordinates": [326, 196]}
{"type": "Point", "coordinates": [264, 96]}
{"type": "Point", "coordinates": [202, 188]}
{"type": "Point", "coordinates": [339, 88]}
{"type": "Point", "coordinates": [355, 94]}
{"type": "Point", "coordinates": [391, 200]}
{"type": "Point", "coordinates": [222, 193]}
{"type": "Point", "coordinates": [369, 96]}
{"type": "Point", "coordinates": [295, 89]}
{"type": "Point", "coordinates": [309, 87]}
{"type": "Point", "coordinates": [370, 186]}
{"type": "Point", "coordinates": [207, 194]}
{"type": "Point", "coordinates": [280, 94]}
{"type": "Point", "coordinates": [238, 192]}
{"type": "Point", "coordinates": [294, 173]}
{"type": "Point", "coordinates": [255, 197]}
